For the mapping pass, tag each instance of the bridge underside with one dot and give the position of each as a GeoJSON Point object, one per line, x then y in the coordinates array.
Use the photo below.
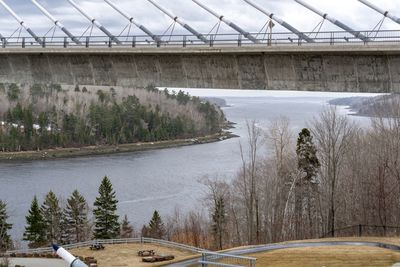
{"type": "Point", "coordinates": [372, 70]}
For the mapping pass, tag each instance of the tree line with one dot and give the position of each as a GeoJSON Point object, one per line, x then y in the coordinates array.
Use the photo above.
{"type": "Point", "coordinates": [110, 119]}
{"type": "Point", "coordinates": [331, 175]}
{"type": "Point", "coordinates": [52, 222]}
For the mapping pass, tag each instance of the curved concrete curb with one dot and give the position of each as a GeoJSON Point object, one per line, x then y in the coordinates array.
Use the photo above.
{"type": "Point", "coordinates": [264, 248]}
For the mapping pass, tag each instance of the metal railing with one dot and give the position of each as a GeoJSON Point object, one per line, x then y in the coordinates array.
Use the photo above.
{"type": "Point", "coordinates": [364, 230]}
{"type": "Point", "coordinates": [214, 40]}
{"type": "Point", "coordinates": [209, 259]}
{"type": "Point", "coordinates": [142, 240]}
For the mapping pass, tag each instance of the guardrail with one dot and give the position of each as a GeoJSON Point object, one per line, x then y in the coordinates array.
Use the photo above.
{"type": "Point", "coordinates": [214, 40]}
{"type": "Point", "coordinates": [209, 259]}
{"type": "Point", "coordinates": [364, 230]}
{"type": "Point", "coordinates": [142, 240]}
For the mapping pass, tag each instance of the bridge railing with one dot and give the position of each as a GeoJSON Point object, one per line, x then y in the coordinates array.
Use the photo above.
{"type": "Point", "coordinates": [214, 40]}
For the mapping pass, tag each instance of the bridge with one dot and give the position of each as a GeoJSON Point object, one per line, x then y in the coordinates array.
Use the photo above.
{"type": "Point", "coordinates": [353, 66]}
{"type": "Point", "coordinates": [346, 60]}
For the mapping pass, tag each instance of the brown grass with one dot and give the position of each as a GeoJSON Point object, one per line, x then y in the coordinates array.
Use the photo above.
{"type": "Point", "coordinates": [387, 240]}
{"type": "Point", "coordinates": [328, 257]}
{"type": "Point", "coordinates": [125, 255]}
{"type": "Point", "coordinates": [333, 256]}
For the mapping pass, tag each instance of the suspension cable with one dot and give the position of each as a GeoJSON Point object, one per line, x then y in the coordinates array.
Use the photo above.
{"type": "Point", "coordinates": [172, 31]}
{"type": "Point", "coordinates": [169, 27]}
{"type": "Point", "coordinates": [91, 30]}
{"type": "Point", "coordinates": [129, 32]}
{"type": "Point", "coordinates": [85, 31]}
{"type": "Point", "coordinates": [379, 26]}
{"type": "Point", "coordinates": [216, 24]}
{"type": "Point", "coordinates": [262, 29]}
{"type": "Point", "coordinates": [319, 27]}
{"type": "Point", "coordinates": [19, 34]}
{"type": "Point", "coordinates": [18, 29]}
{"type": "Point", "coordinates": [217, 31]}
{"type": "Point", "coordinates": [52, 36]}
{"type": "Point", "coordinates": [49, 31]}
{"type": "Point", "coordinates": [119, 35]}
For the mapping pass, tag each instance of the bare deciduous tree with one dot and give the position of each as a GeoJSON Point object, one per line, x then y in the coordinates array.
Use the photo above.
{"type": "Point", "coordinates": [333, 133]}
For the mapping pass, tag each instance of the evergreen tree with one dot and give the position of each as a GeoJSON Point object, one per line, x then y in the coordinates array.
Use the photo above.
{"type": "Point", "coordinates": [306, 190]}
{"type": "Point", "coordinates": [307, 159]}
{"type": "Point", "coordinates": [145, 231]}
{"type": "Point", "coordinates": [219, 222]}
{"type": "Point", "coordinates": [53, 218]}
{"type": "Point", "coordinates": [126, 228]}
{"type": "Point", "coordinates": [106, 219]}
{"type": "Point", "coordinates": [35, 231]}
{"type": "Point", "coordinates": [5, 239]}
{"type": "Point", "coordinates": [156, 226]}
{"type": "Point", "coordinates": [76, 213]}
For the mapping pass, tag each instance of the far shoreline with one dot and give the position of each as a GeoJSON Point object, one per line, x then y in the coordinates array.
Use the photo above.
{"type": "Point", "coordinates": [59, 153]}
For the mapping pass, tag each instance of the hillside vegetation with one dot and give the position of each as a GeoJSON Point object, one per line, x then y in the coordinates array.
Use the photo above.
{"type": "Point", "coordinates": [381, 105]}
{"type": "Point", "coordinates": [35, 117]}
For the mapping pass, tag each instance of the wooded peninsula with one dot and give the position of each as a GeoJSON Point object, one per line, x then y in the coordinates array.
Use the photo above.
{"type": "Point", "coordinates": [54, 117]}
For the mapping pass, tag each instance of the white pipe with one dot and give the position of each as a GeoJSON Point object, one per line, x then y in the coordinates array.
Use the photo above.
{"type": "Point", "coordinates": [94, 21]}
{"type": "Point", "coordinates": [227, 22]}
{"type": "Point", "coordinates": [56, 22]}
{"type": "Point", "coordinates": [130, 18]}
{"type": "Point", "coordinates": [20, 21]}
{"type": "Point", "coordinates": [280, 21]}
{"type": "Point", "coordinates": [379, 10]}
{"type": "Point", "coordinates": [181, 22]}
{"type": "Point", "coordinates": [335, 21]}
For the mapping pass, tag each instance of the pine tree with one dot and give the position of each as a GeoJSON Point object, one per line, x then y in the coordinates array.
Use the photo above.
{"type": "Point", "coordinates": [35, 232]}
{"type": "Point", "coordinates": [307, 159]}
{"type": "Point", "coordinates": [106, 219]}
{"type": "Point", "coordinates": [156, 226]}
{"type": "Point", "coordinates": [306, 191]}
{"type": "Point", "coordinates": [219, 221]}
{"type": "Point", "coordinates": [5, 239]}
{"type": "Point", "coordinates": [126, 228]}
{"type": "Point", "coordinates": [76, 213]}
{"type": "Point", "coordinates": [53, 218]}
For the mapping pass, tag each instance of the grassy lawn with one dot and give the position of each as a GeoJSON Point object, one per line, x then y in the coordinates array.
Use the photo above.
{"type": "Point", "coordinates": [328, 257]}
{"type": "Point", "coordinates": [387, 240]}
{"type": "Point", "coordinates": [125, 255]}
{"type": "Point", "coordinates": [334, 256]}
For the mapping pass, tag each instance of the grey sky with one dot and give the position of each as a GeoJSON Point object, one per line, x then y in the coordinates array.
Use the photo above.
{"type": "Point", "coordinates": [350, 12]}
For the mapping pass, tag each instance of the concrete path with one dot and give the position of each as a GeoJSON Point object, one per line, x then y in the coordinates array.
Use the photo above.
{"type": "Point", "coordinates": [271, 247]}
{"type": "Point", "coordinates": [32, 262]}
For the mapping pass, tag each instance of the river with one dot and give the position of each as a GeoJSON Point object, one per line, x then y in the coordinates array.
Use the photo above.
{"type": "Point", "coordinates": [161, 179]}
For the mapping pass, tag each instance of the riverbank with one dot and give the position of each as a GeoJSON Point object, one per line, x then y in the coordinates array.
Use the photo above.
{"type": "Point", "coordinates": [111, 149]}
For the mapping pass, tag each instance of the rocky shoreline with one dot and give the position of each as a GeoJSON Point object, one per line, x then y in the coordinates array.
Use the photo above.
{"type": "Point", "coordinates": [111, 149]}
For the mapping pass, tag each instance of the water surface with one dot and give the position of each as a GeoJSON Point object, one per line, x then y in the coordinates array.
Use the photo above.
{"type": "Point", "coordinates": [160, 179]}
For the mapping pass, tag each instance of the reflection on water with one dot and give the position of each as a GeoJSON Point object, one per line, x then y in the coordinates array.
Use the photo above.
{"type": "Point", "coordinates": [160, 179]}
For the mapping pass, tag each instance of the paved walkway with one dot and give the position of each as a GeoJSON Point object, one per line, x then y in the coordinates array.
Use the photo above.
{"type": "Point", "coordinates": [32, 262]}
{"type": "Point", "coordinates": [264, 248]}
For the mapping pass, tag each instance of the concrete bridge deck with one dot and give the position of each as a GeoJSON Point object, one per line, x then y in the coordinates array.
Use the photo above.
{"type": "Point", "coordinates": [356, 68]}
{"type": "Point", "coordinates": [355, 49]}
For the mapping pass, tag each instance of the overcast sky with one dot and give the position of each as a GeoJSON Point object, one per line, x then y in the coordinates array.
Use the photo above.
{"type": "Point", "coordinates": [350, 12]}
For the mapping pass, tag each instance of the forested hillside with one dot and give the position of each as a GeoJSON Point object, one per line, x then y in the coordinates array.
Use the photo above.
{"type": "Point", "coordinates": [35, 117]}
